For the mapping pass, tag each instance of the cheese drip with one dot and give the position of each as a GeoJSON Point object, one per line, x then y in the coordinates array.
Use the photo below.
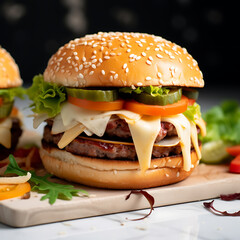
{"type": "Point", "coordinates": [144, 132]}
{"type": "Point", "coordinates": [183, 128]}
{"type": "Point", "coordinates": [5, 132]}
{"type": "Point", "coordinates": [74, 120]}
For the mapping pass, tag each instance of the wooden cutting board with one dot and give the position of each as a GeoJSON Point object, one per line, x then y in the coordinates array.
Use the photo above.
{"type": "Point", "coordinates": [206, 182]}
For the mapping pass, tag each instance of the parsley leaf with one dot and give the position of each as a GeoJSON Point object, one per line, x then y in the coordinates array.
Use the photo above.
{"type": "Point", "coordinates": [53, 191]}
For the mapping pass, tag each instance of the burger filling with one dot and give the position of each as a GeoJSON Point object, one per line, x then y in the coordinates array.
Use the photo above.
{"type": "Point", "coordinates": [150, 122]}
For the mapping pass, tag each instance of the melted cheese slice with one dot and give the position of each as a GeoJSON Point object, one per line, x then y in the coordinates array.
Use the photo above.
{"type": "Point", "coordinates": [183, 128]}
{"type": "Point", "coordinates": [144, 132]}
{"type": "Point", "coordinates": [5, 132]}
{"type": "Point", "coordinates": [95, 121]}
{"type": "Point", "coordinates": [144, 129]}
{"type": "Point", "coordinates": [70, 135]}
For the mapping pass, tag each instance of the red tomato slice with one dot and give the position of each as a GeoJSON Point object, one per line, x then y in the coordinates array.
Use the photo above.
{"type": "Point", "coordinates": [156, 110]}
{"type": "Point", "coordinates": [235, 165]}
{"type": "Point", "coordinates": [99, 106]}
{"type": "Point", "coordinates": [234, 150]}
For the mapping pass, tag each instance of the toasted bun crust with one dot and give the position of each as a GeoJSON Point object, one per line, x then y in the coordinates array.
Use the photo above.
{"type": "Point", "coordinates": [114, 174]}
{"type": "Point", "coordinates": [122, 59]}
{"type": "Point", "coordinates": [9, 72]}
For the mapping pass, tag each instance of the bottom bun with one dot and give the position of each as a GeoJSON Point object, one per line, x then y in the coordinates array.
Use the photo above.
{"type": "Point", "coordinates": [114, 174]}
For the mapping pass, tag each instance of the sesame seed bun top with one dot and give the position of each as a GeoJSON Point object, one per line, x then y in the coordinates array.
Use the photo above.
{"type": "Point", "coordinates": [122, 59]}
{"type": "Point", "coordinates": [9, 72]}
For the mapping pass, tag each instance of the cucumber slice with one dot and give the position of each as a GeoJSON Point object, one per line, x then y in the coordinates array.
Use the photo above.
{"type": "Point", "coordinates": [5, 109]}
{"type": "Point", "coordinates": [93, 94]}
{"type": "Point", "coordinates": [190, 93]}
{"type": "Point", "coordinates": [173, 96]}
{"type": "Point", "coordinates": [214, 152]}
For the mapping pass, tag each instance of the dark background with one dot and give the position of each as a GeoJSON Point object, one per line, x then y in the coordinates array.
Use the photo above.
{"type": "Point", "coordinates": [33, 30]}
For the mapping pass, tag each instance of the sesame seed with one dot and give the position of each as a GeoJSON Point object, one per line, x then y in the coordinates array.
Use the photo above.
{"type": "Point", "coordinates": [103, 72]}
{"type": "Point", "coordinates": [150, 58]}
{"type": "Point", "coordinates": [156, 49]}
{"type": "Point", "coordinates": [84, 59]}
{"type": "Point", "coordinates": [106, 57]}
{"type": "Point", "coordinates": [94, 60]}
{"type": "Point", "coordinates": [80, 75]}
{"type": "Point", "coordinates": [148, 48]}
{"type": "Point", "coordinates": [100, 60]}
{"type": "Point", "coordinates": [144, 54]}
{"type": "Point", "coordinates": [81, 67]}
{"type": "Point", "coordinates": [128, 50]}
{"type": "Point", "coordinates": [93, 66]}
{"type": "Point", "coordinates": [112, 54]}
{"type": "Point", "coordinates": [113, 72]}
{"type": "Point", "coordinates": [138, 57]}
{"type": "Point", "coordinates": [111, 78]}
{"type": "Point", "coordinates": [127, 70]}
{"type": "Point", "coordinates": [116, 76]}
{"type": "Point", "coordinates": [178, 174]}
{"type": "Point", "coordinates": [159, 74]}
{"type": "Point", "coordinates": [148, 62]}
{"type": "Point", "coordinates": [159, 56]}
{"type": "Point", "coordinates": [91, 73]}
{"type": "Point", "coordinates": [93, 57]}
{"type": "Point", "coordinates": [148, 78]}
{"type": "Point", "coordinates": [124, 65]}
{"type": "Point", "coordinates": [76, 69]}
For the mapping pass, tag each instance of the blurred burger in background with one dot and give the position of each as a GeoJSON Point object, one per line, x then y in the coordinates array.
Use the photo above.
{"type": "Point", "coordinates": [121, 111]}
{"type": "Point", "coordinates": [10, 87]}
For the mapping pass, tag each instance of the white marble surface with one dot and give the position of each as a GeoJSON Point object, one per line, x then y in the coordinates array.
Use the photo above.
{"type": "Point", "coordinates": [182, 221]}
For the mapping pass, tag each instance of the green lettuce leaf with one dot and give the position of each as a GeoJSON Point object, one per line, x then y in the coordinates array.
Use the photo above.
{"type": "Point", "coordinates": [8, 94]}
{"type": "Point", "coordinates": [152, 90]}
{"type": "Point", "coordinates": [193, 112]}
{"type": "Point", "coordinates": [223, 123]}
{"type": "Point", "coordinates": [46, 97]}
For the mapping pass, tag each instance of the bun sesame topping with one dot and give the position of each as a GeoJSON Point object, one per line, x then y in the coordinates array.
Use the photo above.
{"type": "Point", "coordinates": [9, 72]}
{"type": "Point", "coordinates": [118, 59]}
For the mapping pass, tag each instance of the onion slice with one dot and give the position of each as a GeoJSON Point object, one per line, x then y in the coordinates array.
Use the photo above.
{"type": "Point", "coordinates": [209, 206]}
{"type": "Point", "coordinates": [15, 180]}
{"type": "Point", "coordinates": [150, 199]}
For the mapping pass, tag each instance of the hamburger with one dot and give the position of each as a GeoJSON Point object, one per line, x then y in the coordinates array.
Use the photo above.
{"type": "Point", "coordinates": [121, 111]}
{"type": "Point", "coordinates": [10, 124]}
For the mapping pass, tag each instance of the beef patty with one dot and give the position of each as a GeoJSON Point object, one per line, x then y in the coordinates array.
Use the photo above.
{"type": "Point", "coordinates": [117, 129]}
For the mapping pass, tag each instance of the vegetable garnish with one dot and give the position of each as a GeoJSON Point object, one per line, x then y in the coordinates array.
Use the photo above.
{"type": "Point", "coordinates": [227, 197]}
{"type": "Point", "coordinates": [149, 197]}
{"type": "Point", "coordinates": [157, 110]}
{"type": "Point", "coordinates": [230, 197]}
{"type": "Point", "coordinates": [212, 209]}
{"type": "Point", "coordinates": [98, 106]}
{"type": "Point", "coordinates": [223, 131]}
{"type": "Point", "coordinates": [46, 97]}
{"type": "Point", "coordinates": [53, 191]}
{"type": "Point", "coordinates": [235, 165]}
{"type": "Point", "coordinates": [13, 190]}
{"type": "Point", "coordinates": [233, 150]}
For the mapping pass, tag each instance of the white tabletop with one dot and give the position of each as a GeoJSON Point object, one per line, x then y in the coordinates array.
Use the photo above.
{"type": "Point", "coordinates": [182, 221]}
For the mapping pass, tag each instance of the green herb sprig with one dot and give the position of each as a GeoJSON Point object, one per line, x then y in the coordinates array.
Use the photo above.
{"type": "Point", "coordinates": [53, 191]}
